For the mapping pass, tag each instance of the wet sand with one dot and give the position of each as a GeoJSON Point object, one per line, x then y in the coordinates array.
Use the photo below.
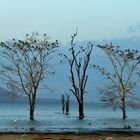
{"type": "Point", "coordinates": [68, 136]}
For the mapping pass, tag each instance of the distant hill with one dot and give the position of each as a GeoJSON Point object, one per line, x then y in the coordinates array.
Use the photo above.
{"type": "Point", "coordinates": [95, 79]}
{"type": "Point", "coordinates": [6, 96]}
{"type": "Point", "coordinates": [131, 43]}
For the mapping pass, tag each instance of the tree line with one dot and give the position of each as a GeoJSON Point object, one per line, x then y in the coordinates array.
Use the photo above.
{"type": "Point", "coordinates": [26, 63]}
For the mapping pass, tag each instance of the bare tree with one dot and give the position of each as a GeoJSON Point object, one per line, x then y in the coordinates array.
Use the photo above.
{"type": "Point", "coordinates": [26, 64]}
{"type": "Point", "coordinates": [123, 76]}
{"type": "Point", "coordinates": [78, 64]}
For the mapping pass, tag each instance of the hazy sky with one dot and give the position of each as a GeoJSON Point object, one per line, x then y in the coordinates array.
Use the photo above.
{"type": "Point", "coordinates": [96, 19]}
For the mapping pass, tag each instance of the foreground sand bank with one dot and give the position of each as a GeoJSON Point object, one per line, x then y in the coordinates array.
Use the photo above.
{"type": "Point", "coordinates": [60, 136]}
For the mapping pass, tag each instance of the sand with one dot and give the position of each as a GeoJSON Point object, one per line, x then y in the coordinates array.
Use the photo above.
{"type": "Point", "coordinates": [60, 136]}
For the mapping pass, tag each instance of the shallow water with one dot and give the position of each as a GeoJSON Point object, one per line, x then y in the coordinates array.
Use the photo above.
{"type": "Point", "coordinates": [49, 118]}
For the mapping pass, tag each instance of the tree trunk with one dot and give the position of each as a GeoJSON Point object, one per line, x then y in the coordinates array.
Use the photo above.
{"type": "Point", "coordinates": [63, 103]}
{"type": "Point", "coordinates": [63, 108]}
{"type": "Point", "coordinates": [32, 108]}
{"type": "Point", "coordinates": [67, 107]}
{"type": "Point", "coordinates": [81, 110]}
{"type": "Point", "coordinates": [31, 113]}
{"type": "Point", "coordinates": [124, 108]}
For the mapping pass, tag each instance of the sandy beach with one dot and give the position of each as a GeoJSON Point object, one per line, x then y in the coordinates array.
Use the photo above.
{"type": "Point", "coordinates": [66, 136]}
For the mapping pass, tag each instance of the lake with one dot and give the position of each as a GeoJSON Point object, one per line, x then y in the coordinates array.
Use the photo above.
{"type": "Point", "coordinates": [14, 117]}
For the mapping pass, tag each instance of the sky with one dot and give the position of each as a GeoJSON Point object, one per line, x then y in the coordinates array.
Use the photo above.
{"type": "Point", "coordinates": [95, 19]}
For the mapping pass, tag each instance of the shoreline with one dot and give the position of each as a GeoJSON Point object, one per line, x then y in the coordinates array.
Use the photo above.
{"type": "Point", "coordinates": [70, 136]}
{"type": "Point", "coordinates": [76, 133]}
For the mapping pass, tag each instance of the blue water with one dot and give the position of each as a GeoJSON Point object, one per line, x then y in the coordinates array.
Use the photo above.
{"type": "Point", "coordinates": [49, 118]}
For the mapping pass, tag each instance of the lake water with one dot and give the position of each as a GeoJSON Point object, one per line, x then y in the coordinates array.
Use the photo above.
{"type": "Point", "coordinates": [49, 118]}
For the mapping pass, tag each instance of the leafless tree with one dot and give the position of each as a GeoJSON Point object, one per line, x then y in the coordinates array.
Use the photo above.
{"type": "Point", "coordinates": [26, 63]}
{"type": "Point", "coordinates": [78, 64]}
{"type": "Point", "coordinates": [123, 76]}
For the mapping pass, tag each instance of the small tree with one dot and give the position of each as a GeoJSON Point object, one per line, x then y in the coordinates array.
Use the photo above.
{"type": "Point", "coordinates": [26, 64]}
{"type": "Point", "coordinates": [123, 77]}
{"type": "Point", "coordinates": [78, 63]}
{"type": "Point", "coordinates": [63, 103]}
{"type": "Point", "coordinates": [67, 104]}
